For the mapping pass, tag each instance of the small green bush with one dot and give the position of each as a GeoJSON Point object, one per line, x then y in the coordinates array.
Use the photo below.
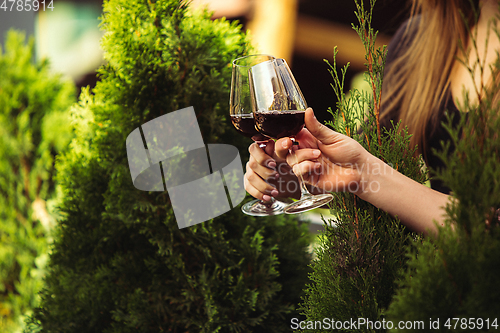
{"type": "Point", "coordinates": [34, 128]}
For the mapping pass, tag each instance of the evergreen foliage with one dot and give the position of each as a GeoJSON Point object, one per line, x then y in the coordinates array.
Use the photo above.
{"type": "Point", "coordinates": [34, 127]}
{"type": "Point", "coordinates": [120, 263]}
{"type": "Point", "coordinates": [454, 279]}
{"type": "Point", "coordinates": [363, 251]}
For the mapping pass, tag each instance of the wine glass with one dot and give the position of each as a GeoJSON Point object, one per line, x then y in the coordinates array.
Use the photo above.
{"type": "Point", "coordinates": [279, 109]}
{"type": "Point", "coordinates": [240, 108]}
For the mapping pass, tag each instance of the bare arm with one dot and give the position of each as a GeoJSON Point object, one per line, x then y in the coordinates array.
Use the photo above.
{"type": "Point", "coordinates": [417, 206]}
{"type": "Point", "coordinates": [335, 162]}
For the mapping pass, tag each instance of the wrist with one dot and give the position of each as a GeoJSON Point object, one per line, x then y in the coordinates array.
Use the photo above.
{"type": "Point", "coordinates": [370, 177]}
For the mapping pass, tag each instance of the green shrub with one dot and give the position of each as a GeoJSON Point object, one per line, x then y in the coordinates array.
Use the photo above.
{"type": "Point", "coordinates": [362, 253]}
{"type": "Point", "coordinates": [34, 127]}
{"type": "Point", "coordinates": [120, 263]}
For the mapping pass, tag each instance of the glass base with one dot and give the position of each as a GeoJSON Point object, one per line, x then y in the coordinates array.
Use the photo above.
{"type": "Point", "coordinates": [307, 203]}
{"type": "Point", "coordinates": [263, 208]}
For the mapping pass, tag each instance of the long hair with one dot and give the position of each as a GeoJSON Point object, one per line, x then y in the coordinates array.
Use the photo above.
{"type": "Point", "coordinates": [416, 83]}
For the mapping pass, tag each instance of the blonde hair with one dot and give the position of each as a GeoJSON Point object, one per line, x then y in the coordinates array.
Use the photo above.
{"type": "Point", "coordinates": [417, 81]}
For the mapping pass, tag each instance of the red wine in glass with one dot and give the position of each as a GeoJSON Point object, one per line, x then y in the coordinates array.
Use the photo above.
{"type": "Point", "coordinates": [245, 125]}
{"type": "Point", "coordinates": [279, 124]}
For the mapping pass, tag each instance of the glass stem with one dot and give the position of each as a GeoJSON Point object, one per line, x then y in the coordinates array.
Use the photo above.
{"type": "Point", "coordinates": [304, 192]}
{"type": "Point", "coordinates": [263, 145]}
{"type": "Point", "coordinates": [268, 203]}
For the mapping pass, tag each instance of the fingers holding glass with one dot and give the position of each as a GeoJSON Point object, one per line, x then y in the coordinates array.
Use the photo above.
{"type": "Point", "coordinates": [261, 170]}
{"type": "Point", "coordinates": [258, 187]}
{"type": "Point", "coordinates": [261, 156]}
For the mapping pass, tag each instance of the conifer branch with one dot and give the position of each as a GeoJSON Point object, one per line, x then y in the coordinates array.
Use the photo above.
{"type": "Point", "coordinates": [376, 97]}
{"type": "Point", "coordinates": [362, 255]}
{"type": "Point", "coordinates": [375, 60]}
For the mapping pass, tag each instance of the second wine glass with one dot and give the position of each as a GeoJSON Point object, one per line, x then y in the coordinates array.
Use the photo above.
{"type": "Point", "coordinates": [243, 120]}
{"type": "Point", "coordinates": [279, 108]}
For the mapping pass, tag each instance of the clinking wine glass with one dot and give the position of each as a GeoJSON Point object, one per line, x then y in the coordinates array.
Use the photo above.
{"type": "Point", "coordinates": [279, 108]}
{"type": "Point", "coordinates": [242, 119]}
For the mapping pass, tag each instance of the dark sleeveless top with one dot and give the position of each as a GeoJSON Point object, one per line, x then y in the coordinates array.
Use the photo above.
{"type": "Point", "coordinates": [435, 134]}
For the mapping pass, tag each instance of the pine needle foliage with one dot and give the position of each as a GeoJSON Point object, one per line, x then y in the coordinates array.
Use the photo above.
{"type": "Point", "coordinates": [452, 284]}
{"type": "Point", "coordinates": [362, 252]}
{"type": "Point", "coordinates": [119, 262]}
{"type": "Point", "coordinates": [34, 128]}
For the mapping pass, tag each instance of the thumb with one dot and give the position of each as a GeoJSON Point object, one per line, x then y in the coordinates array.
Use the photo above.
{"type": "Point", "coordinates": [318, 130]}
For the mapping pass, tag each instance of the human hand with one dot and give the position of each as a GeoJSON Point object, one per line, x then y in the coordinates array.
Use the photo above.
{"type": "Point", "coordinates": [325, 158]}
{"type": "Point", "coordinates": [266, 172]}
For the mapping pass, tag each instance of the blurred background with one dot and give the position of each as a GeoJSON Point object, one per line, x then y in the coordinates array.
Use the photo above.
{"type": "Point", "coordinates": [304, 32]}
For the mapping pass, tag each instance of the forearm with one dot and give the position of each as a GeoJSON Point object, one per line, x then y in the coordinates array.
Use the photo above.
{"type": "Point", "coordinates": [416, 205]}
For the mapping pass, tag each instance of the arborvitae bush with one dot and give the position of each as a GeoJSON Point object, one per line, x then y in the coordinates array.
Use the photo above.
{"type": "Point", "coordinates": [362, 252]}
{"type": "Point", "coordinates": [34, 127]}
{"type": "Point", "coordinates": [119, 261]}
{"type": "Point", "coordinates": [452, 284]}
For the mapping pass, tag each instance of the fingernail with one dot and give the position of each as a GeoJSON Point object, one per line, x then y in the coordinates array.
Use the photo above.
{"type": "Point", "coordinates": [316, 153]}
{"type": "Point", "coordinates": [274, 193]}
{"type": "Point", "coordinates": [266, 197]}
{"type": "Point", "coordinates": [284, 144]}
{"type": "Point", "coordinates": [271, 164]}
{"type": "Point", "coordinates": [276, 175]}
